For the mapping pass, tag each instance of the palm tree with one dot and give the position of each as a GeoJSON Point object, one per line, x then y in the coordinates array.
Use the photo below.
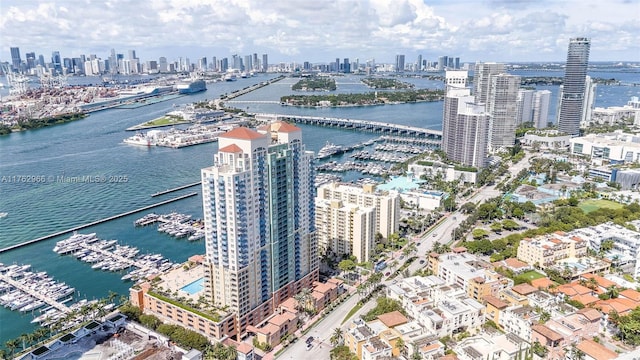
{"type": "Point", "coordinates": [612, 292]}
{"type": "Point", "coordinates": [401, 347]}
{"type": "Point", "coordinates": [11, 346]}
{"type": "Point", "coordinates": [337, 337]}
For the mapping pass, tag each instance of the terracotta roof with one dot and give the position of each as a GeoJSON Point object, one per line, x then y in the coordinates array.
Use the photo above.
{"type": "Point", "coordinates": [281, 319]}
{"type": "Point", "coordinates": [323, 287]}
{"type": "Point", "coordinates": [242, 133]}
{"type": "Point", "coordinates": [431, 347]}
{"type": "Point", "coordinates": [393, 318]}
{"type": "Point", "coordinates": [495, 302]}
{"type": "Point", "coordinates": [282, 126]}
{"type": "Point", "coordinates": [607, 306]}
{"type": "Point", "coordinates": [233, 148]}
{"type": "Point", "coordinates": [515, 263]}
{"type": "Point", "coordinates": [546, 332]}
{"type": "Point", "coordinates": [605, 283]}
{"type": "Point", "coordinates": [556, 241]}
{"type": "Point", "coordinates": [459, 249]}
{"type": "Point", "coordinates": [242, 347]}
{"type": "Point", "coordinates": [562, 233]}
{"type": "Point", "coordinates": [585, 299]}
{"type": "Point", "coordinates": [542, 283]}
{"type": "Point", "coordinates": [574, 289]}
{"type": "Point", "coordinates": [631, 295]}
{"type": "Point", "coordinates": [576, 239]}
{"type": "Point", "coordinates": [590, 313]}
{"type": "Point", "coordinates": [524, 289]}
{"type": "Point", "coordinates": [595, 350]}
{"type": "Point", "coordinates": [197, 259]}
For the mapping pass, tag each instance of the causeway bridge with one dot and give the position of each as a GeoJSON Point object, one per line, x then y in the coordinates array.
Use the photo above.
{"type": "Point", "coordinates": [359, 125]}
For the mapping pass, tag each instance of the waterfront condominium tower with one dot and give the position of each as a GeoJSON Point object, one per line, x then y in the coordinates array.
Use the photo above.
{"type": "Point", "coordinates": [465, 123]}
{"type": "Point", "coordinates": [481, 80]}
{"type": "Point", "coordinates": [573, 90]}
{"type": "Point", "coordinates": [258, 201]}
{"type": "Point", "coordinates": [502, 109]}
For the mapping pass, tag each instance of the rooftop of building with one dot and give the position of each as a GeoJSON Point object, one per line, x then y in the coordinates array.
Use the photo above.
{"type": "Point", "coordinates": [242, 133]}
{"type": "Point", "coordinates": [495, 302]}
{"type": "Point", "coordinates": [393, 319]}
{"type": "Point", "coordinates": [542, 283]}
{"type": "Point", "coordinates": [546, 332]}
{"type": "Point", "coordinates": [524, 289]}
{"type": "Point", "coordinates": [595, 350]}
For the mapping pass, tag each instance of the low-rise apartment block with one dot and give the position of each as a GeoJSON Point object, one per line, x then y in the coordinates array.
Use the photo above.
{"type": "Point", "coordinates": [492, 346]}
{"type": "Point", "coordinates": [475, 276]}
{"type": "Point", "coordinates": [545, 250]}
{"type": "Point", "coordinates": [440, 308]}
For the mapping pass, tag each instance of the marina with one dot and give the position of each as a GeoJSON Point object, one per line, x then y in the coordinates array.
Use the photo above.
{"type": "Point", "coordinates": [178, 138]}
{"type": "Point", "coordinates": [26, 291]}
{"type": "Point", "coordinates": [174, 224]}
{"type": "Point", "coordinates": [108, 255]}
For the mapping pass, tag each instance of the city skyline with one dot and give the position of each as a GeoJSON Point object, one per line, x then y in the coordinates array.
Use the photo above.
{"type": "Point", "coordinates": [505, 31]}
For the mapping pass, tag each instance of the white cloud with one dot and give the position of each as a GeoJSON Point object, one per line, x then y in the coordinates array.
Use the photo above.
{"type": "Point", "coordinates": [498, 30]}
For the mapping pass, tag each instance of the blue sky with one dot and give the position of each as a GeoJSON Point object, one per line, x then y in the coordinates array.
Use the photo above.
{"type": "Point", "coordinates": [322, 30]}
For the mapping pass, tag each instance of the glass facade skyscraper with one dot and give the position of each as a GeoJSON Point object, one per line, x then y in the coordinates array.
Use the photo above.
{"type": "Point", "coordinates": [573, 89]}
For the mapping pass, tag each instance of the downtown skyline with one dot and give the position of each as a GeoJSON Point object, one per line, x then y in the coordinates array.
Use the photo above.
{"type": "Point", "coordinates": [505, 31]}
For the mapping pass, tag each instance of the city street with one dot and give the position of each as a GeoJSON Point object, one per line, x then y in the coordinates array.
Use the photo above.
{"type": "Point", "coordinates": [322, 332]}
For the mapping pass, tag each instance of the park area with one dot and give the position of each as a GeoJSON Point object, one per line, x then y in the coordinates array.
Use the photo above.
{"type": "Point", "coordinates": [592, 205]}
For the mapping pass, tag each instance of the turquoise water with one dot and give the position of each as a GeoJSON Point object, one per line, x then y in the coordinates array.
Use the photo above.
{"type": "Point", "coordinates": [93, 146]}
{"type": "Point", "coordinates": [194, 287]}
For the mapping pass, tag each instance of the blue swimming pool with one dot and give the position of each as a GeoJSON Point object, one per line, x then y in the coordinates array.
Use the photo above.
{"type": "Point", "coordinates": [194, 287]}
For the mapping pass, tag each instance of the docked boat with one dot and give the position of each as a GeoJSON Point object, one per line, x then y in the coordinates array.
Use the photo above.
{"type": "Point", "coordinates": [329, 150]}
{"type": "Point", "coordinates": [139, 139]}
{"type": "Point", "coordinates": [191, 87]}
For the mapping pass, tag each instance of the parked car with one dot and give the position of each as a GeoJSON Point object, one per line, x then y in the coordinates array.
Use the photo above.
{"type": "Point", "coordinates": [309, 339]}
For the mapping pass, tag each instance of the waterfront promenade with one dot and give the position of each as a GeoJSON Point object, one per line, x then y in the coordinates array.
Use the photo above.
{"type": "Point", "coordinates": [353, 124]}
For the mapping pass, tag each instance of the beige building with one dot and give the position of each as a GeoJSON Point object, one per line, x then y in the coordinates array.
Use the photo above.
{"type": "Point", "coordinates": [546, 250]}
{"type": "Point", "coordinates": [348, 217]}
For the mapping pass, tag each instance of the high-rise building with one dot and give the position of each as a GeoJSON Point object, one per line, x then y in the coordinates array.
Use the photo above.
{"type": "Point", "coordinates": [348, 217]}
{"type": "Point", "coordinates": [573, 90]}
{"type": "Point", "coordinates": [56, 61]}
{"type": "Point", "coordinates": [346, 67]}
{"type": "Point", "coordinates": [265, 63]}
{"type": "Point", "coordinates": [399, 63]}
{"type": "Point", "coordinates": [224, 65]}
{"type": "Point", "coordinates": [540, 115]}
{"type": "Point", "coordinates": [419, 64]}
{"type": "Point", "coordinates": [31, 60]}
{"type": "Point", "coordinates": [481, 83]}
{"type": "Point", "coordinates": [501, 108]}
{"type": "Point", "coordinates": [15, 58]}
{"type": "Point", "coordinates": [524, 106]}
{"type": "Point", "coordinates": [442, 63]}
{"type": "Point", "coordinates": [589, 100]}
{"type": "Point", "coordinates": [465, 124]}
{"type": "Point", "coordinates": [259, 221]}
{"type": "Point", "coordinates": [162, 64]}
{"type": "Point", "coordinates": [248, 63]}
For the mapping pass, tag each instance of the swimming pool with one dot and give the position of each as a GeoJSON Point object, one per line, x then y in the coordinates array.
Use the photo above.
{"type": "Point", "coordinates": [194, 287]}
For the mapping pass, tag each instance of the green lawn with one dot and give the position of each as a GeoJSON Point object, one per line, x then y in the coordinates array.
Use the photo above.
{"type": "Point", "coordinates": [165, 120]}
{"type": "Point", "coordinates": [592, 205]}
{"type": "Point", "coordinates": [531, 275]}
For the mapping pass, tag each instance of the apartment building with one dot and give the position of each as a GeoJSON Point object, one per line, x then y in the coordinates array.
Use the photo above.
{"type": "Point", "coordinates": [348, 217]}
{"type": "Point", "coordinates": [545, 250]}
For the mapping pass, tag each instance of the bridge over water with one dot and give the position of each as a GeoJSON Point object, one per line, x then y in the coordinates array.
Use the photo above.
{"type": "Point", "coordinates": [360, 125]}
